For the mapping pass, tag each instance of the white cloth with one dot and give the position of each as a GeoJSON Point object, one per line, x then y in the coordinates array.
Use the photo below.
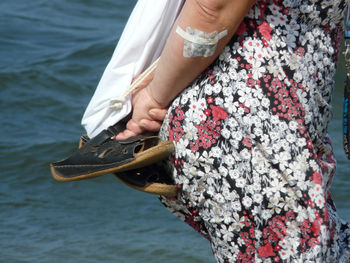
{"type": "Point", "coordinates": [140, 44]}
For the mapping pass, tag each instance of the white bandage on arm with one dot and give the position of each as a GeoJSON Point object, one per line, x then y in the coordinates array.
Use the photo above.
{"type": "Point", "coordinates": [198, 43]}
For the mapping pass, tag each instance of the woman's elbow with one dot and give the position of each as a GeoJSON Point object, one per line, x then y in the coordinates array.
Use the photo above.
{"type": "Point", "coordinates": [211, 10]}
{"type": "Point", "coordinates": [223, 12]}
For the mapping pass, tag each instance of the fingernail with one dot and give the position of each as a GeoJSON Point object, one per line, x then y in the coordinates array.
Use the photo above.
{"type": "Point", "coordinates": [152, 113]}
{"type": "Point", "coordinates": [143, 124]}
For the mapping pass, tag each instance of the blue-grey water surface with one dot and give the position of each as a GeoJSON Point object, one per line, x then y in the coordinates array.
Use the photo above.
{"type": "Point", "coordinates": [52, 54]}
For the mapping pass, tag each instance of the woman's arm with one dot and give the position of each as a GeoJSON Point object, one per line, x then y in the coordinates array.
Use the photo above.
{"type": "Point", "coordinates": [174, 71]}
{"type": "Point", "coordinates": [177, 68]}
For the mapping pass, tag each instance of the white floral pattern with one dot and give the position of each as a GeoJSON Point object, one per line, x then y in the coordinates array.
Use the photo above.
{"type": "Point", "coordinates": [253, 159]}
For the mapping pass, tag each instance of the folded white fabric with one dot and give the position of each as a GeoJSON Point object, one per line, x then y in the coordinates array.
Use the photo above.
{"type": "Point", "coordinates": [140, 44]}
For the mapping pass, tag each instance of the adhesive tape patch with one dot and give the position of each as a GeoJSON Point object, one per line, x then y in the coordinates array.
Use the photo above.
{"type": "Point", "coordinates": [198, 43]}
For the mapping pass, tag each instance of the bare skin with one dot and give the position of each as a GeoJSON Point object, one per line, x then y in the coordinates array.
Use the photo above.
{"type": "Point", "coordinates": [150, 103]}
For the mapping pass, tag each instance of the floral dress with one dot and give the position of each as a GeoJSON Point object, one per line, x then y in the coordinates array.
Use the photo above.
{"type": "Point", "coordinates": [253, 158]}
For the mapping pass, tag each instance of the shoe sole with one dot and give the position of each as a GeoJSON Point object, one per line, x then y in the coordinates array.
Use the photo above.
{"type": "Point", "coordinates": [142, 159]}
{"type": "Point", "coordinates": [154, 188]}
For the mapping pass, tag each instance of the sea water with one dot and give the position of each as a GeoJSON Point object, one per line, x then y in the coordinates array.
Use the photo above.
{"type": "Point", "coordinates": [52, 55]}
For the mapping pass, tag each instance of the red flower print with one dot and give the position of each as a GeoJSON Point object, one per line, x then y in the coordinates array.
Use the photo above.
{"type": "Point", "coordinates": [266, 251]}
{"type": "Point", "coordinates": [241, 29]}
{"type": "Point", "coordinates": [265, 30]}
{"type": "Point", "coordinates": [278, 248]}
{"type": "Point", "coordinates": [265, 43]}
{"type": "Point", "coordinates": [176, 133]}
{"type": "Point", "coordinates": [317, 178]}
{"type": "Point", "coordinates": [218, 113]}
{"type": "Point", "coordinates": [300, 52]}
{"type": "Point", "coordinates": [276, 259]}
{"type": "Point", "coordinates": [246, 141]}
{"type": "Point", "coordinates": [315, 228]}
{"type": "Point", "coordinates": [207, 112]}
{"type": "Point", "coordinates": [262, 7]}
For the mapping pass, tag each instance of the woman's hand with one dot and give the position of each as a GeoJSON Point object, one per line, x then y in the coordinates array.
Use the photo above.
{"type": "Point", "coordinates": [147, 116]}
{"type": "Point", "coordinates": [175, 72]}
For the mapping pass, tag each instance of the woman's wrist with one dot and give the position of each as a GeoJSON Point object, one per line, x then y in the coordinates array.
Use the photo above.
{"type": "Point", "coordinates": [161, 103]}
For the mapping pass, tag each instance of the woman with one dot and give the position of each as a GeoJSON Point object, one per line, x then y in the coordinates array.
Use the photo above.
{"type": "Point", "coordinates": [245, 89]}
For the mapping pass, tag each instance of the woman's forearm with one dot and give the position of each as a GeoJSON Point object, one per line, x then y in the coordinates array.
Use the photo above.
{"type": "Point", "coordinates": [174, 71]}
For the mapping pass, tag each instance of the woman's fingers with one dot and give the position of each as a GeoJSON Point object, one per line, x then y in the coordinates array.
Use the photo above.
{"type": "Point", "coordinates": [125, 135]}
{"type": "Point", "coordinates": [145, 118]}
{"type": "Point", "coordinates": [132, 129]}
{"type": "Point", "coordinates": [149, 125]}
{"type": "Point", "coordinates": [133, 126]}
{"type": "Point", "coordinates": [158, 114]}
